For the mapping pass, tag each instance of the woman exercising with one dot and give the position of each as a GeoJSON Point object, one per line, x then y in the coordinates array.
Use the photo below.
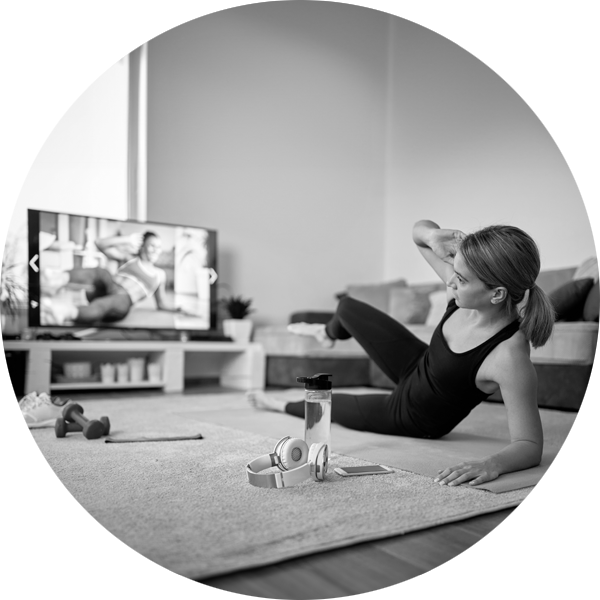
{"type": "Point", "coordinates": [482, 344]}
{"type": "Point", "coordinates": [111, 297]}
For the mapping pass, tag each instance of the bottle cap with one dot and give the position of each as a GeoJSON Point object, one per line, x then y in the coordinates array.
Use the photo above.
{"type": "Point", "coordinates": [320, 381]}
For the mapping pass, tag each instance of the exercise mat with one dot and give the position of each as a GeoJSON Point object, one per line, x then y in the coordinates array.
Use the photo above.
{"type": "Point", "coordinates": [427, 457]}
{"type": "Point", "coordinates": [483, 432]}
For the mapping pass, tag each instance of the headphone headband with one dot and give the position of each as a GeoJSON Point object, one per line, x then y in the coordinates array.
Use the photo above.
{"type": "Point", "coordinates": [287, 453]}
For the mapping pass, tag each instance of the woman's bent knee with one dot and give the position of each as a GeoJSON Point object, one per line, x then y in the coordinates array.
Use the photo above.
{"type": "Point", "coordinates": [347, 306]}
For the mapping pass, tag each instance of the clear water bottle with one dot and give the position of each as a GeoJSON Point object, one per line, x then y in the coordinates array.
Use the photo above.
{"type": "Point", "coordinates": [317, 409]}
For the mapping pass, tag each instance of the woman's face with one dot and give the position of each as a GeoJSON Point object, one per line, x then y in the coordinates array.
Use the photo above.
{"type": "Point", "coordinates": [468, 290]}
{"type": "Point", "coordinates": [151, 249]}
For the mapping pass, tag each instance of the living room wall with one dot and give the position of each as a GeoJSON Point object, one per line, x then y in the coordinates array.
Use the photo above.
{"type": "Point", "coordinates": [267, 123]}
{"type": "Point", "coordinates": [313, 135]}
{"type": "Point", "coordinates": [494, 120]}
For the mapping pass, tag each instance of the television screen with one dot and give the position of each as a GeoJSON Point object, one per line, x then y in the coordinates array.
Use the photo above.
{"type": "Point", "coordinates": [93, 272]}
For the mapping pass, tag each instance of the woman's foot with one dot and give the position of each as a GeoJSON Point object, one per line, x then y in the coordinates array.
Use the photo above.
{"type": "Point", "coordinates": [316, 330]}
{"type": "Point", "coordinates": [259, 400]}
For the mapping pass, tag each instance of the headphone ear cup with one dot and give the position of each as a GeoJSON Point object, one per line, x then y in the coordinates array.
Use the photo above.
{"type": "Point", "coordinates": [293, 453]}
{"type": "Point", "coordinates": [318, 457]}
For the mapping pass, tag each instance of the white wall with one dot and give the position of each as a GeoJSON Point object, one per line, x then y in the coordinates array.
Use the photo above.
{"type": "Point", "coordinates": [466, 151]}
{"type": "Point", "coordinates": [267, 123]}
{"type": "Point", "coordinates": [313, 135]}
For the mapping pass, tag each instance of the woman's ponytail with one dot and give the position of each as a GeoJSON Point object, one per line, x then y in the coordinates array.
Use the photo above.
{"type": "Point", "coordinates": [506, 256]}
{"type": "Point", "coordinates": [538, 317]}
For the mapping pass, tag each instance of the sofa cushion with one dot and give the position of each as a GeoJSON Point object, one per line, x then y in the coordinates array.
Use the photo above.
{"type": "Point", "coordinates": [591, 307]}
{"type": "Point", "coordinates": [551, 279]}
{"type": "Point", "coordinates": [408, 306]}
{"type": "Point", "coordinates": [278, 341]}
{"type": "Point", "coordinates": [571, 343]}
{"type": "Point", "coordinates": [377, 295]}
{"type": "Point", "coordinates": [439, 304]}
{"type": "Point", "coordinates": [587, 269]}
{"type": "Point", "coordinates": [569, 299]}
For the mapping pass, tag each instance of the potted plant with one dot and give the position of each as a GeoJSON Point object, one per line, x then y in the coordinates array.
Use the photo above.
{"type": "Point", "coordinates": [12, 291]}
{"type": "Point", "coordinates": [237, 326]}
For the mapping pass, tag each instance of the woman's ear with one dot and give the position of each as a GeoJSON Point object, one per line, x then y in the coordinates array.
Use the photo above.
{"type": "Point", "coordinates": [500, 294]}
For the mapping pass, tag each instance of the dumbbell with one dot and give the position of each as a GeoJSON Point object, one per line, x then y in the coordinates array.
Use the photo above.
{"type": "Point", "coordinates": [62, 427]}
{"type": "Point", "coordinates": [92, 429]}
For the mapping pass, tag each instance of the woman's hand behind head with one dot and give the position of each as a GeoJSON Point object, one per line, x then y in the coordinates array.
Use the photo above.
{"type": "Point", "coordinates": [445, 243]}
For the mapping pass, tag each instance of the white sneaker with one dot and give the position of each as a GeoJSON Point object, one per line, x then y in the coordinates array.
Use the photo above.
{"type": "Point", "coordinates": [316, 330]}
{"type": "Point", "coordinates": [40, 410]}
{"type": "Point", "coordinates": [20, 405]}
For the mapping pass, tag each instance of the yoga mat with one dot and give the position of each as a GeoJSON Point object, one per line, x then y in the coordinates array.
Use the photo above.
{"type": "Point", "coordinates": [483, 432]}
{"type": "Point", "coordinates": [428, 456]}
{"type": "Point", "coordinates": [188, 507]}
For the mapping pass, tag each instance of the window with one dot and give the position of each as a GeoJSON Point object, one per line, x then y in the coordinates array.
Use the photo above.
{"type": "Point", "coordinates": [63, 120]}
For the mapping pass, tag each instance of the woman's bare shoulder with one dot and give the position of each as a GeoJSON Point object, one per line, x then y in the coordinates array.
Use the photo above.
{"type": "Point", "coordinates": [511, 357]}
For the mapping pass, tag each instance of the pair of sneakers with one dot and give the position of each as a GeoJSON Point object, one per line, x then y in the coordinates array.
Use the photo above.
{"type": "Point", "coordinates": [41, 410]}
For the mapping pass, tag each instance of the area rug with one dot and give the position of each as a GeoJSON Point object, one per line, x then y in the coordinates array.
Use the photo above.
{"type": "Point", "coordinates": [187, 505]}
{"type": "Point", "coordinates": [483, 432]}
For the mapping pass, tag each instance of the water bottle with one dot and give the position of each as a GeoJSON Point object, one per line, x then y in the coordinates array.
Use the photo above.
{"type": "Point", "coordinates": [317, 409]}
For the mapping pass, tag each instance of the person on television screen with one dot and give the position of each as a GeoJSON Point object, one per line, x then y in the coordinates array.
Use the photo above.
{"type": "Point", "coordinates": [495, 312]}
{"type": "Point", "coordinates": [109, 297]}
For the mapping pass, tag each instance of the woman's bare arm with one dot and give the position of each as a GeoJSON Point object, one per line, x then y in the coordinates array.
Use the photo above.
{"type": "Point", "coordinates": [517, 379]}
{"type": "Point", "coordinates": [438, 246]}
{"type": "Point", "coordinates": [120, 247]}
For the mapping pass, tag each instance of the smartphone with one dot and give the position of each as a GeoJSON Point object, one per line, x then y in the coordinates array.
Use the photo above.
{"type": "Point", "coordinates": [368, 470]}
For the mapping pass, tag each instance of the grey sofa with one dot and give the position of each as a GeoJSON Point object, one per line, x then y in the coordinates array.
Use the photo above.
{"type": "Point", "coordinates": [563, 365]}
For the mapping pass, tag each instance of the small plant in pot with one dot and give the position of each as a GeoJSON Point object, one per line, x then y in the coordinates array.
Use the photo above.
{"type": "Point", "coordinates": [237, 307]}
{"type": "Point", "coordinates": [237, 326]}
{"type": "Point", "coordinates": [12, 290]}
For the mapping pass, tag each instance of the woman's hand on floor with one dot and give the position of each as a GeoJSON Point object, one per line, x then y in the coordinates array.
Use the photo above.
{"type": "Point", "coordinates": [474, 472]}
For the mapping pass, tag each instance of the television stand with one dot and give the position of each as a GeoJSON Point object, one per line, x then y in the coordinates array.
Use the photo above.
{"type": "Point", "coordinates": [242, 366]}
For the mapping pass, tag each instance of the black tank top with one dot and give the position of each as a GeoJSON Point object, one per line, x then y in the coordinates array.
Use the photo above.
{"type": "Point", "coordinates": [441, 391]}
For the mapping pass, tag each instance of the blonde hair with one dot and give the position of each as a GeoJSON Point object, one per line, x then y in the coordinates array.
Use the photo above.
{"type": "Point", "coordinates": [506, 256]}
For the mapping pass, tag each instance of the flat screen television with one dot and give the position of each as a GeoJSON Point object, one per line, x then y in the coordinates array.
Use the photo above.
{"type": "Point", "coordinates": [91, 272]}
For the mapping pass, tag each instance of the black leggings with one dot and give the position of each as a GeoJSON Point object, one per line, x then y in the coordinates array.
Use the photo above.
{"type": "Point", "coordinates": [393, 348]}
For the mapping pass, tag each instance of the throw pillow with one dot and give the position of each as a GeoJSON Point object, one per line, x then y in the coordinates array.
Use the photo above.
{"type": "Point", "coordinates": [408, 306]}
{"type": "Point", "coordinates": [377, 295]}
{"type": "Point", "coordinates": [439, 303]}
{"type": "Point", "coordinates": [591, 308]}
{"type": "Point", "coordinates": [569, 299]}
{"type": "Point", "coordinates": [588, 268]}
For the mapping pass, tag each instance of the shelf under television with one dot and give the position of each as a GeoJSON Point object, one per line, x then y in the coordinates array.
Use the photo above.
{"type": "Point", "coordinates": [98, 385]}
{"type": "Point", "coordinates": [241, 366]}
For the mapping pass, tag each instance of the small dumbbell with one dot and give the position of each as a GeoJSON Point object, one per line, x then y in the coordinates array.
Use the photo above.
{"type": "Point", "coordinates": [92, 429]}
{"type": "Point", "coordinates": [62, 427]}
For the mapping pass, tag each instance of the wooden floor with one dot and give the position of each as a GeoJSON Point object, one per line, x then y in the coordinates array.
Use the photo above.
{"type": "Point", "coordinates": [361, 568]}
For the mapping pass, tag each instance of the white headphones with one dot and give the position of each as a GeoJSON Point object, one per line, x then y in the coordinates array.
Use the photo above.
{"type": "Point", "coordinates": [295, 461]}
